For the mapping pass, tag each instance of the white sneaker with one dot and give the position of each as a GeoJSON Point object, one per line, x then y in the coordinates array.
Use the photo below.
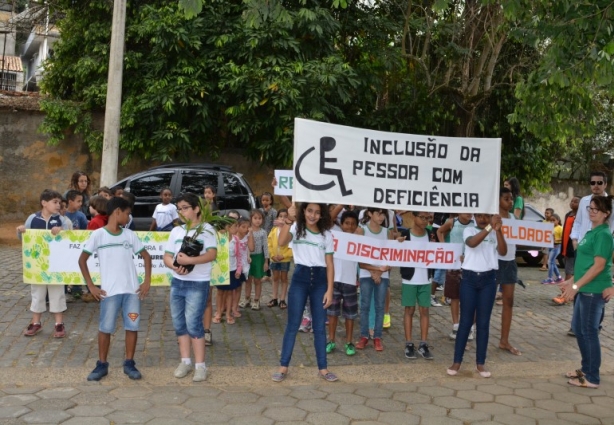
{"type": "Point", "coordinates": [434, 302]}
{"type": "Point", "coordinates": [256, 305]}
{"type": "Point", "coordinates": [452, 334]}
{"type": "Point", "coordinates": [182, 370]}
{"type": "Point", "coordinates": [471, 335]}
{"type": "Point", "coordinates": [245, 302]}
{"type": "Point", "coordinates": [199, 375]}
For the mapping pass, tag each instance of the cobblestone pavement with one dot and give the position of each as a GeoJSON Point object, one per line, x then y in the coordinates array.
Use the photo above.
{"type": "Point", "coordinates": [42, 379]}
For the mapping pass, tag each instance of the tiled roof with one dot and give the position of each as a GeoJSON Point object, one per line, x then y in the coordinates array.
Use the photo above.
{"type": "Point", "coordinates": [11, 63]}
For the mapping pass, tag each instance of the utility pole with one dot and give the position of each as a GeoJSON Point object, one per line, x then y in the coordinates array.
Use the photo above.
{"type": "Point", "coordinates": [110, 147]}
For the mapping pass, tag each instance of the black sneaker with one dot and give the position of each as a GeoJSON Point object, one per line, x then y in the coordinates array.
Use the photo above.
{"type": "Point", "coordinates": [424, 351]}
{"type": "Point", "coordinates": [131, 370]}
{"type": "Point", "coordinates": [410, 350]}
{"type": "Point", "coordinates": [570, 332]}
{"type": "Point", "coordinates": [100, 371]}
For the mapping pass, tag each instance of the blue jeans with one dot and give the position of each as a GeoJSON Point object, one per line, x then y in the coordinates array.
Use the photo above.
{"type": "Point", "coordinates": [130, 306]}
{"type": "Point", "coordinates": [587, 313]}
{"type": "Point", "coordinates": [477, 296]}
{"type": "Point", "coordinates": [188, 303]}
{"type": "Point", "coordinates": [307, 283]}
{"type": "Point", "coordinates": [440, 276]}
{"type": "Point", "coordinates": [368, 290]}
{"type": "Point", "coordinates": [553, 270]}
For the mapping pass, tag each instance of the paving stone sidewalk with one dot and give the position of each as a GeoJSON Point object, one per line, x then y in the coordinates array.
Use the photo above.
{"type": "Point", "coordinates": [42, 379]}
{"type": "Point", "coordinates": [447, 402]}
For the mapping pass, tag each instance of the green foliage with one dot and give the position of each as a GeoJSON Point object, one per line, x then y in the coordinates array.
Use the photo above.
{"type": "Point", "coordinates": [220, 79]}
{"type": "Point", "coordinates": [201, 76]}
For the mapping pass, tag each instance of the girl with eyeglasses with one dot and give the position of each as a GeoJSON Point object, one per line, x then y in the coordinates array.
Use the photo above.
{"type": "Point", "coordinates": [190, 289]}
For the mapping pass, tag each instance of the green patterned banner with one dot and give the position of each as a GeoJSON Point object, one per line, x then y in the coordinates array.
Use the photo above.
{"type": "Point", "coordinates": [54, 260]}
{"type": "Point", "coordinates": [220, 268]}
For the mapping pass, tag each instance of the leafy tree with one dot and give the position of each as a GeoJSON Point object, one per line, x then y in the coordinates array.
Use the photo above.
{"type": "Point", "coordinates": [198, 85]}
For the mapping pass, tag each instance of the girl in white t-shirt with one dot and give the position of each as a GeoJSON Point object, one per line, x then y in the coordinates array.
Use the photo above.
{"type": "Point", "coordinates": [165, 215]}
{"type": "Point", "coordinates": [190, 289]}
{"type": "Point", "coordinates": [484, 242]}
{"type": "Point", "coordinates": [374, 280]}
{"type": "Point", "coordinates": [312, 248]}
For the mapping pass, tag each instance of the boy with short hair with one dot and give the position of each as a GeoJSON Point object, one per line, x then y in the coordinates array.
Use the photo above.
{"type": "Point", "coordinates": [416, 289]}
{"type": "Point", "coordinates": [73, 210]}
{"type": "Point", "coordinates": [345, 291]}
{"type": "Point", "coordinates": [119, 284]}
{"type": "Point", "coordinates": [47, 218]}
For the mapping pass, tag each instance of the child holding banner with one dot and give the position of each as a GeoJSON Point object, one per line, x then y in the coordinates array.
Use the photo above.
{"type": "Point", "coordinates": [345, 292]}
{"type": "Point", "coordinates": [455, 227]}
{"type": "Point", "coordinates": [47, 218]}
{"type": "Point", "coordinates": [313, 249]}
{"type": "Point", "coordinates": [374, 280]}
{"type": "Point", "coordinates": [478, 287]}
{"type": "Point", "coordinates": [416, 289]}
{"type": "Point", "coordinates": [120, 287]}
{"type": "Point", "coordinates": [190, 289]}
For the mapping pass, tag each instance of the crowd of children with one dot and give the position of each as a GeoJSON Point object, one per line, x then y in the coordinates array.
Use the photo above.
{"type": "Point", "coordinates": [269, 240]}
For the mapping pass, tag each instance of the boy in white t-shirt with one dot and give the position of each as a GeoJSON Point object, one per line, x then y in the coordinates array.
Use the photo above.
{"type": "Point", "coordinates": [165, 216]}
{"type": "Point", "coordinates": [345, 291]}
{"type": "Point", "coordinates": [416, 289]}
{"type": "Point", "coordinates": [120, 287]}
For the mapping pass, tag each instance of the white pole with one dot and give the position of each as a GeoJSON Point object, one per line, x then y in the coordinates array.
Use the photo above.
{"type": "Point", "coordinates": [110, 147]}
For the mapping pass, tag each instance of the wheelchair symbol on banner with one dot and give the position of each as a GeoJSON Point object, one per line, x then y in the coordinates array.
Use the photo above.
{"type": "Point", "coordinates": [327, 144]}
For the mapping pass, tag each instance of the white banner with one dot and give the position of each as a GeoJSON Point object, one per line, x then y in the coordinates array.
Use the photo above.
{"type": "Point", "coordinates": [285, 182]}
{"type": "Point", "coordinates": [339, 164]}
{"type": "Point", "coordinates": [531, 233]}
{"type": "Point", "coordinates": [362, 249]}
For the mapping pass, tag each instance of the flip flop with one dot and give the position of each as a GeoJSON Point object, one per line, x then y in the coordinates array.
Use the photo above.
{"type": "Point", "coordinates": [230, 321]}
{"type": "Point", "coordinates": [582, 383]}
{"type": "Point", "coordinates": [515, 351]}
{"type": "Point", "coordinates": [216, 320]}
{"type": "Point", "coordinates": [272, 303]}
{"type": "Point", "coordinates": [575, 374]}
{"type": "Point", "coordinates": [283, 305]}
{"type": "Point", "coordinates": [237, 314]}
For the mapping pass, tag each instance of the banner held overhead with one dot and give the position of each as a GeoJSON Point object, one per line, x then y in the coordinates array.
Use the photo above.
{"type": "Point", "coordinates": [355, 166]}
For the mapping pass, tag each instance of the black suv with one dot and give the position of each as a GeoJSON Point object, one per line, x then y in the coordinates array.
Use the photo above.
{"type": "Point", "coordinates": [233, 192]}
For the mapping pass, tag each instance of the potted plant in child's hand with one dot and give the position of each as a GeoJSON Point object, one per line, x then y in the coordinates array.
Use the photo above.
{"type": "Point", "coordinates": [191, 246]}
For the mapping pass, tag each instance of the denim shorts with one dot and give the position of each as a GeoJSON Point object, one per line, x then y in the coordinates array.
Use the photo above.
{"type": "Point", "coordinates": [507, 273]}
{"type": "Point", "coordinates": [188, 303]}
{"type": "Point", "coordinates": [130, 306]}
{"type": "Point", "coordinates": [279, 267]}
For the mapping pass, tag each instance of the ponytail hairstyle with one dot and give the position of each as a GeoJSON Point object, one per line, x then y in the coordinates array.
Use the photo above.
{"type": "Point", "coordinates": [324, 223]}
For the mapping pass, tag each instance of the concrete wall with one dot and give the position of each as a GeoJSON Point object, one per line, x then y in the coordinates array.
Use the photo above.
{"type": "Point", "coordinates": [560, 195]}
{"type": "Point", "coordinates": [28, 165]}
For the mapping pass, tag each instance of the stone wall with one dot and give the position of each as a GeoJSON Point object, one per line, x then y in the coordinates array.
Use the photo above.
{"type": "Point", "coordinates": [28, 165]}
